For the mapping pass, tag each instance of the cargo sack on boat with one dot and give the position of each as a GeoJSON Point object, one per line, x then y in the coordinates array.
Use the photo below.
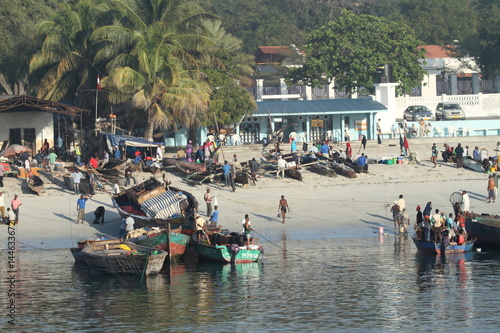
{"type": "Point", "coordinates": [164, 205]}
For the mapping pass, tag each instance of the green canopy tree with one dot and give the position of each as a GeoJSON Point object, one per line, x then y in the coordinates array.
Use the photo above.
{"type": "Point", "coordinates": [153, 60]}
{"type": "Point", "coordinates": [350, 48]}
{"type": "Point", "coordinates": [18, 30]}
{"type": "Point", "coordinates": [64, 64]}
{"type": "Point", "coordinates": [229, 101]}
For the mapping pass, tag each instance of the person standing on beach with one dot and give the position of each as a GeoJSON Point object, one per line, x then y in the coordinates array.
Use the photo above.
{"type": "Point", "coordinates": [254, 168]}
{"type": "Point", "coordinates": [293, 146]}
{"type": "Point", "coordinates": [491, 189]}
{"type": "Point", "coordinates": [129, 174]}
{"type": "Point", "coordinates": [232, 176]}
{"type": "Point", "coordinates": [459, 155]}
{"type": "Point", "coordinates": [208, 200]}
{"type": "Point", "coordinates": [14, 204]}
{"type": "Point", "coordinates": [395, 215]}
{"type": "Point", "coordinates": [283, 208]}
{"type": "Point", "coordinates": [401, 203]}
{"type": "Point", "coordinates": [78, 153]}
{"type": "Point", "coordinates": [434, 154]}
{"type": "Point", "coordinates": [77, 176]}
{"type": "Point", "coordinates": [80, 208]}
{"type": "Point", "coordinates": [437, 224]}
{"type": "Point", "coordinates": [52, 161]}
{"type": "Point", "coordinates": [226, 170]}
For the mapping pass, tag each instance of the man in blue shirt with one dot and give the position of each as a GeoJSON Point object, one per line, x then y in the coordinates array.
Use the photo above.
{"type": "Point", "coordinates": [215, 216]}
{"type": "Point", "coordinates": [80, 208]}
{"type": "Point", "coordinates": [226, 168]}
{"type": "Point", "coordinates": [325, 150]}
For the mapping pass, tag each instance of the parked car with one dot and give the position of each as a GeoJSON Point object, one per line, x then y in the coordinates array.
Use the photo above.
{"type": "Point", "coordinates": [449, 111]}
{"type": "Point", "coordinates": [417, 112]}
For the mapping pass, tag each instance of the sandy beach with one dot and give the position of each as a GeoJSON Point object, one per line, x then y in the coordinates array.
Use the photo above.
{"type": "Point", "coordinates": [321, 207]}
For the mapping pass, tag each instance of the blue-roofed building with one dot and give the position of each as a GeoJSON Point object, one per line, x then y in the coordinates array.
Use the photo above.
{"type": "Point", "coordinates": [311, 120]}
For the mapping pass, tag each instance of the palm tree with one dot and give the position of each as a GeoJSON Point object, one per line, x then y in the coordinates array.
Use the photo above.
{"type": "Point", "coordinates": [65, 62]}
{"type": "Point", "coordinates": [153, 60]}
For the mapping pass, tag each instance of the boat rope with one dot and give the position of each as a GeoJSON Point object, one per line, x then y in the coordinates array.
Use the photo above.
{"type": "Point", "coordinates": [290, 252]}
{"type": "Point", "coordinates": [295, 254]}
{"type": "Point", "coordinates": [145, 267]}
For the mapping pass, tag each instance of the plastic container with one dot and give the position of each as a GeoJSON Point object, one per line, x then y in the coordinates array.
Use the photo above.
{"type": "Point", "coordinates": [390, 162]}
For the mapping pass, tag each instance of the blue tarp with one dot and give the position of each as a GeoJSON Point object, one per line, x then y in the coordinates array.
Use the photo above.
{"type": "Point", "coordinates": [129, 141]}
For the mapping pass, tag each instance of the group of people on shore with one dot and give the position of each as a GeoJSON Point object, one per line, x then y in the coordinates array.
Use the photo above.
{"type": "Point", "coordinates": [457, 154]}
{"type": "Point", "coordinates": [10, 215]}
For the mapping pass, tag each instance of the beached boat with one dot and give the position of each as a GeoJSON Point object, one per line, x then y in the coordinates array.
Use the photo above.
{"type": "Point", "coordinates": [124, 258]}
{"type": "Point", "coordinates": [473, 165]}
{"type": "Point", "coordinates": [344, 170]}
{"type": "Point", "coordinates": [294, 173]}
{"type": "Point", "coordinates": [439, 248]}
{"type": "Point", "coordinates": [150, 204]}
{"type": "Point", "coordinates": [174, 242]}
{"type": "Point", "coordinates": [35, 184]}
{"type": "Point", "coordinates": [322, 169]}
{"type": "Point", "coordinates": [486, 228]}
{"type": "Point", "coordinates": [183, 165]}
{"type": "Point", "coordinates": [222, 249]}
{"type": "Point", "coordinates": [114, 168]}
{"type": "Point", "coordinates": [356, 168]}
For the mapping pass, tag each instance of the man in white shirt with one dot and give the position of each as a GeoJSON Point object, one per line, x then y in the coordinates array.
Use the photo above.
{"type": "Point", "coordinates": [465, 203]}
{"type": "Point", "coordinates": [77, 176]}
{"type": "Point", "coordinates": [281, 167]}
{"type": "Point", "coordinates": [159, 154]}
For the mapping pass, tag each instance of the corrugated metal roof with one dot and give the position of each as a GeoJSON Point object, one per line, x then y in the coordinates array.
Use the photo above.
{"type": "Point", "coordinates": [323, 106]}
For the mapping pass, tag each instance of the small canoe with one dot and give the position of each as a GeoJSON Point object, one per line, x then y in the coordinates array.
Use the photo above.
{"type": "Point", "coordinates": [344, 170]}
{"type": "Point", "coordinates": [439, 248]}
{"type": "Point", "coordinates": [114, 167]}
{"type": "Point", "coordinates": [324, 170]}
{"type": "Point", "coordinates": [174, 243]}
{"type": "Point", "coordinates": [486, 228]}
{"type": "Point", "coordinates": [124, 258]}
{"type": "Point", "coordinates": [473, 165]}
{"type": "Point", "coordinates": [226, 253]}
{"type": "Point", "coordinates": [35, 184]}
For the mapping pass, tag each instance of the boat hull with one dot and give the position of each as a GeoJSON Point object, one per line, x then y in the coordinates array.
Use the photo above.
{"type": "Point", "coordinates": [35, 184]}
{"type": "Point", "coordinates": [473, 165]}
{"type": "Point", "coordinates": [224, 254]}
{"type": "Point", "coordinates": [486, 229]}
{"type": "Point", "coordinates": [438, 248]}
{"type": "Point", "coordinates": [112, 260]}
{"type": "Point", "coordinates": [177, 247]}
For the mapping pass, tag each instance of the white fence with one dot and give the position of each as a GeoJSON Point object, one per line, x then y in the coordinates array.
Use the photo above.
{"type": "Point", "coordinates": [480, 105]}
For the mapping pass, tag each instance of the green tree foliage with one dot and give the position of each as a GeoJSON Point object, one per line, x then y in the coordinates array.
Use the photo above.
{"type": "Point", "coordinates": [228, 101]}
{"type": "Point", "coordinates": [65, 60]}
{"type": "Point", "coordinates": [484, 44]}
{"type": "Point", "coordinates": [350, 48]}
{"type": "Point", "coordinates": [154, 58]}
{"type": "Point", "coordinates": [436, 22]}
{"type": "Point", "coordinates": [18, 30]}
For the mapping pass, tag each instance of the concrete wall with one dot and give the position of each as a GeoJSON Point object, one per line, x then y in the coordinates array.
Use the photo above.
{"type": "Point", "coordinates": [42, 122]}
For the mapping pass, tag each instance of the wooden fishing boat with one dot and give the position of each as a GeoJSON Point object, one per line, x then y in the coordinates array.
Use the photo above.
{"type": "Point", "coordinates": [473, 165]}
{"type": "Point", "coordinates": [294, 173]}
{"type": "Point", "coordinates": [183, 165]}
{"type": "Point", "coordinates": [150, 204]}
{"type": "Point", "coordinates": [439, 248]}
{"type": "Point", "coordinates": [344, 170]}
{"type": "Point", "coordinates": [114, 167]}
{"type": "Point", "coordinates": [77, 251]}
{"type": "Point", "coordinates": [356, 168]}
{"type": "Point", "coordinates": [124, 258]}
{"type": "Point", "coordinates": [322, 169]}
{"type": "Point", "coordinates": [219, 250]}
{"type": "Point", "coordinates": [174, 242]}
{"type": "Point", "coordinates": [35, 184]}
{"type": "Point", "coordinates": [486, 228]}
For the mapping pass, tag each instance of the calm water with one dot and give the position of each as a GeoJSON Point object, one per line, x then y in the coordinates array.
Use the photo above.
{"type": "Point", "coordinates": [352, 285]}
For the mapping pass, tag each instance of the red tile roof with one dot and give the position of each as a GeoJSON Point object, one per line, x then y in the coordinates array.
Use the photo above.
{"type": "Point", "coordinates": [274, 49]}
{"type": "Point", "coordinates": [437, 51]}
